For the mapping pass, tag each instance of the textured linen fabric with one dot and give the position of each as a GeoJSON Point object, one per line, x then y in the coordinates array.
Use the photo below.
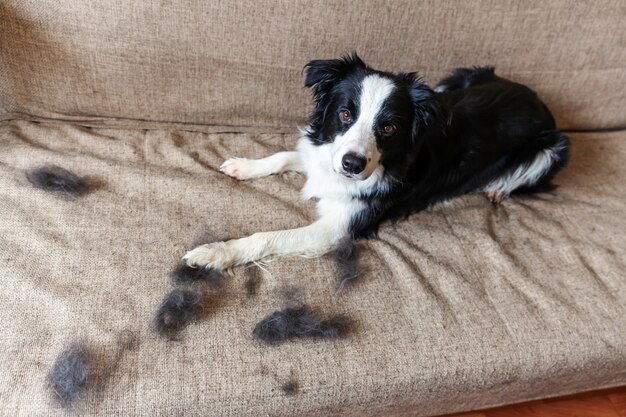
{"type": "Point", "coordinates": [462, 306]}
{"type": "Point", "coordinates": [239, 63]}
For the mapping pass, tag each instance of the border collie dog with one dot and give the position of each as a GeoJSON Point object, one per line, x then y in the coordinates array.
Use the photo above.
{"type": "Point", "coordinates": [381, 146]}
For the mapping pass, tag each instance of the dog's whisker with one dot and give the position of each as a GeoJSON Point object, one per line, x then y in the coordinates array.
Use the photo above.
{"type": "Point", "coordinates": [394, 179]}
{"type": "Point", "coordinates": [259, 265]}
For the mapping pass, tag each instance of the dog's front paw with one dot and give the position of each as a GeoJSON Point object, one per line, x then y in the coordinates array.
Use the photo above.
{"type": "Point", "coordinates": [496, 196]}
{"type": "Point", "coordinates": [218, 255]}
{"type": "Point", "coordinates": [239, 168]}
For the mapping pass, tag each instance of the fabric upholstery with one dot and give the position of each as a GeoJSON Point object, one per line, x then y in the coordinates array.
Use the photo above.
{"type": "Point", "coordinates": [462, 306]}
{"type": "Point", "coordinates": [239, 63]}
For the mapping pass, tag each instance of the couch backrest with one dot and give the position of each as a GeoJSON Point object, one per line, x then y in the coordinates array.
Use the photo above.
{"type": "Point", "coordinates": [239, 63]}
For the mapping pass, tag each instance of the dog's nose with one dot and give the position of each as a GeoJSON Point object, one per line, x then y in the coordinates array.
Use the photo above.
{"type": "Point", "coordinates": [353, 163]}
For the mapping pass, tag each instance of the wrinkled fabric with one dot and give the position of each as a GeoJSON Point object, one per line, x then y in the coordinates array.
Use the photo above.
{"type": "Point", "coordinates": [463, 306]}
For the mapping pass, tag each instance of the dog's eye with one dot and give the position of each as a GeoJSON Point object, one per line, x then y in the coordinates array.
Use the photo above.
{"type": "Point", "coordinates": [389, 129]}
{"type": "Point", "coordinates": [345, 116]}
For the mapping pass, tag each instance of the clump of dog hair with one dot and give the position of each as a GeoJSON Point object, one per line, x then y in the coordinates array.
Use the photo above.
{"type": "Point", "coordinates": [346, 258]}
{"type": "Point", "coordinates": [290, 387]}
{"type": "Point", "coordinates": [56, 179]}
{"type": "Point", "coordinates": [70, 373]}
{"type": "Point", "coordinates": [299, 322]}
{"type": "Point", "coordinates": [184, 274]}
{"type": "Point", "coordinates": [180, 307]}
{"type": "Point", "coordinates": [252, 281]}
{"type": "Point", "coordinates": [80, 368]}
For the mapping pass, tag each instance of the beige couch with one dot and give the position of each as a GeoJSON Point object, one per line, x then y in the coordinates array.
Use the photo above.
{"type": "Point", "coordinates": [461, 307]}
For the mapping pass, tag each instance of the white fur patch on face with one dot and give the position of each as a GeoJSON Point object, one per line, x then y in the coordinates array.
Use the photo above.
{"type": "Point", "coordinates": [324, 182]}
{"type": "Point", "coordinates": [360, 138]}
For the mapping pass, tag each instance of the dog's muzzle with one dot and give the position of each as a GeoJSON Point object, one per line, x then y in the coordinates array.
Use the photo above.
{"type": "Point", "coordinates": [353, 163]}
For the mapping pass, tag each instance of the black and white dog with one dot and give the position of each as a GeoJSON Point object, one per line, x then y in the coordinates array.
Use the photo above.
{"type": "Point", "coordinates": [382, 146]}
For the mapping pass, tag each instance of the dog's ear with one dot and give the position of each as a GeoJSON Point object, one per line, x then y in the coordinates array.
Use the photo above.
{"type": "Point", "coordinates": [427, 110]}
{"type": "Point", "coordinates": [322, 75]}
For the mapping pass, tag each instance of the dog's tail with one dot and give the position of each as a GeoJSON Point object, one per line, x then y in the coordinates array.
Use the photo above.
{"type": "Point", "coordinates": [462, 78]}
{"type": "Point", "coordinates": [557, 149]}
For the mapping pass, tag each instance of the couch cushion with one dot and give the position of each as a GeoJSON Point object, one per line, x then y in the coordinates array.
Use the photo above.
{"type": "Point", "coordinates": [239, 63]}
{"type": "Point", "coordinates": [463, 306]}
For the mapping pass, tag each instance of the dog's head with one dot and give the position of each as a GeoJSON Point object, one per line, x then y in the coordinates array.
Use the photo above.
{"type": "Point", "coordinates": [370, 119]}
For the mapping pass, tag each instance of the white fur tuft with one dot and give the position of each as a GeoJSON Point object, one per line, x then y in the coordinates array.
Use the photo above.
{"type": "Point", "coordinates": [526, 174]}
{"type": "Point", "coordinates": [360, 138]}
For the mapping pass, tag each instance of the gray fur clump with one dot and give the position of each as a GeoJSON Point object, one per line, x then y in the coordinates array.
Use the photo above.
{"type": "Point", "coordinates": [70, 372]}
{"type": "Point", "coordinates": [299, 322]}
{"type": "Point", "coordinates": [56, 179]}
{"type": "Point", "coordinates": [180, 307]}
{"type": "Point", "coordinates": [184, 274]}
{"type": "Point", "coordinates": [346, 258]}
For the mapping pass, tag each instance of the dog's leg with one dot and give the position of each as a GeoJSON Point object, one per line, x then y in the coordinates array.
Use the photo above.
{"type": "Point", "coordinates": [245, 169]}
{"type": "Point", "coordinates": [313, 240]}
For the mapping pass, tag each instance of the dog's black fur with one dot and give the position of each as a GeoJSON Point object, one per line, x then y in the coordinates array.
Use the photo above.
{"type": "Point", "coordinates": [478, 128]}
